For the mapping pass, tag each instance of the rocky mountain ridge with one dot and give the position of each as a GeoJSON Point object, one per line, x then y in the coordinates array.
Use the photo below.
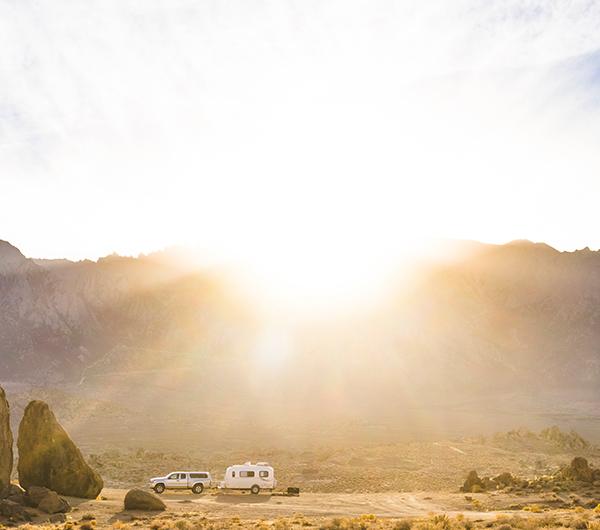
{"type": "Point", "coordinates": [58, 317]}
{"type": "Point", "coordinates": [499, 317]}
{"type": "Point", "coordinates": [522, 313]}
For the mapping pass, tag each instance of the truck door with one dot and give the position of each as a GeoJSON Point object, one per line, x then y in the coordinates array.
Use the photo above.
{"type": "Point", "coordinates": [172, 480]}
{"type": "Point", "coordinates": [183, 480]}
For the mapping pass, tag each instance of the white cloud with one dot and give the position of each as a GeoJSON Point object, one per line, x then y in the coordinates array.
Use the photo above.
{"type": "Point", "coordinates": [129, 125]}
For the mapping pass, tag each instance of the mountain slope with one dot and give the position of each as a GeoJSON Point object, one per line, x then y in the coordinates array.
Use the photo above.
{"type": "Point", "coordinates": [520, 316]}
{"type": "Point", "coordinates": [57, 317]}
{"type": "Point", "coordinates": [510, 315]}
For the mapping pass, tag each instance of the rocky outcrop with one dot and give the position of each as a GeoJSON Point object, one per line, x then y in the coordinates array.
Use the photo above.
{"type": "Point", "coordinates": [568, 441]}
{"type": "Point", "coordinates": [14, 493]}
{"type": "Point", "coordinates": [59, 318]}
{"type": "Point", "coordinates": [49, 458]}
{"type": "Point", "coordinates": [46, 500]}
{"type": "Point", "coordinates": [473, 484]}
{"type": "Point", "coordinates": [578, 473]}
{"type": "Point", "coordinates": [504, 480]}
{"type": "Point", "coordinates": [14, 511]}
{"type": "Point", "coordinates": [142, 500]}
{"type": "Point", "coordinates": [6, 442]}
{"type": "Point", "coordinates": [476, 484]}
{"type": "Point", "coordinates": [579, 470]}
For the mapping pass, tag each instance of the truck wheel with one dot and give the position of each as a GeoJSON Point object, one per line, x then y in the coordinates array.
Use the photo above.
{"type": "Point", "coordinates": [198, 488]}
{"type": "Point", "coordinates": [255, 490]}
{"type": "Point", "coordinates": [159, 488]}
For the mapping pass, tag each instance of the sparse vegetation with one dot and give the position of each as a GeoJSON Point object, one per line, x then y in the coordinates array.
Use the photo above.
{"type": "Point", "coordinates": [539, 488]}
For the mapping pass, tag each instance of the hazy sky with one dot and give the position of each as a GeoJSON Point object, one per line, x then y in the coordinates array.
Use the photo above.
{"type": "Point", "coordinates": [300, 133]}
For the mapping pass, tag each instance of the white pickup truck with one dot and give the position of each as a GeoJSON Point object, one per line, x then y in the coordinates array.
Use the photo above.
{"type": "Point", "coordinates": [190, 480]}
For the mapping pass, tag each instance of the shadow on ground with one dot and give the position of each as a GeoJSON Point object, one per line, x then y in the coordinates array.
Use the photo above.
{"type": "Point", "coordinates": [228, 498]}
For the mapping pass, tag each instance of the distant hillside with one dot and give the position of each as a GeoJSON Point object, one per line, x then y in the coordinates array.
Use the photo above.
{"type": "Point", "coordinates": [512, 317]}
{"type": "Point", "coordinates": [58, 318]}
{"type": "Point", "coordinates": [517, 314]}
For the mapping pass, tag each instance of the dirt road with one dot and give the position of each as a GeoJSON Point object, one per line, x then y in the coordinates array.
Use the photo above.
{"type": "Point", "coordinates": [313, 505]}
{"type": "Point", "coordinates": [310, 504]}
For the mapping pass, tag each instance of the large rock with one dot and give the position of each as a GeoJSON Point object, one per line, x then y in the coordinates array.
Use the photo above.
{"type": "Point", "coordinates": [46, 500]}
{"type": "Point", "coordinates": [6, 442]}
{"type": "Point", "coordinates": [142, 500]}
{"type": "Point", "coordinates": [473, 484]}
{"type": "Point", "coordinates": [503, 480]}
{"type": "Point", "coordinates": [13, 493]}
{"type": "Point", "coordinates": [49, 458]}
{"type": "Point", "coordinates": [54, 503]}
{"type": "Point", "coordinates": [14, 511]}
{"type": "Point", "coordinates": [579, 469]}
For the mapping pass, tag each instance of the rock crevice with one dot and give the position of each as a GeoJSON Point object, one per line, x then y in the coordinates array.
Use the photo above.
{"type": "Point", "coordinates": [6, 443]}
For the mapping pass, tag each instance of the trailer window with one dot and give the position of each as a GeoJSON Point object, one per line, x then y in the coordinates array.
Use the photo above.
{"type": "Point", "coordinates": [263, 474]}
{"type": "Point", "coordinates": [233, 473]}
{"type": "Point", "coordinates": [246, 473]}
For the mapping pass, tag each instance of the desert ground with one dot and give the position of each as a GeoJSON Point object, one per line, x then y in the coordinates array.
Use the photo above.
{"type": "Point", "coordinates": [423, 510]}
{"type": "Point", "coordinates": [351, 475]}
{"type": "Point", "coordinates": [396, 485]}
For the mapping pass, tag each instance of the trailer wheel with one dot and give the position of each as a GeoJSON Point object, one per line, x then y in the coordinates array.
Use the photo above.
{"type": "Point", "coordinates": [198, 488]}
{"type": "Point", "coordinates": [255, 490]}
{"type": "Point", "coordinates": [159, 488]}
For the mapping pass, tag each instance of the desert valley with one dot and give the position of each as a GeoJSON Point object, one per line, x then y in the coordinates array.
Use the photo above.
{"type": "Point", "coordinates": [299, 264]}
{"type": "Point", "coordinates": [486, 362]}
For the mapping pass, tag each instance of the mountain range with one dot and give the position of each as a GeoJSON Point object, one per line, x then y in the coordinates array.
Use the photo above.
{"type": "Point", "coordinates": [58, 318]}
{"type": "Point", "coordinates": [498, 317]}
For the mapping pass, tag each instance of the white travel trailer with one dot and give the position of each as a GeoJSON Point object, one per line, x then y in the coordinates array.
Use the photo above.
{"type": "Point", "coordinates": [248, 476]}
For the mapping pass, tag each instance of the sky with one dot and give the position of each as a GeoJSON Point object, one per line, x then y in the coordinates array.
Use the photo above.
{"type": "Point", "coordinates": [325, 138]}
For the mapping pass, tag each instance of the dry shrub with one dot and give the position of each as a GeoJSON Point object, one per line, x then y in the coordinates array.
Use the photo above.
{"type": "Point", "coordinates": [363, 522]}
{"type": "Point", "coordinates": [579, 523]}
{"type": "Point", "coordinates": [438, 522]}
{"type": "Point", "coordinates": [533, 508]}
{"type": "Point", "coordinates": [120, 525]}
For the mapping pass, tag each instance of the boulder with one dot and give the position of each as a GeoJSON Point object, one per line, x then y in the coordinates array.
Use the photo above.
{"type": "Point", "coordinates": [57, 518]}
{"type": "Point", "coordinates": [13, 493]}
{"type": "Point", "coordinates": [487, 484]}
{"type": "Point", "coordinates": [503, 480]}
{"type": "Point", "coordinates": [35, 494]}
{"type": "Point", "coordinates": [46, 500]}
{"type": "Point", "coordinates": [6, 442]}
{"type": "Point", "coordinates": [579, 470]}
{"type": "Point", "coordinates": [14, 511]}
{"type": "Point", "coordinates": [473, 483]}
{"type": "Point", "coordinates": [53, 503]}
{"type": "Point", "coordinates": [49, 458]}
{"type": "Point", "coordinates": [142, 500]}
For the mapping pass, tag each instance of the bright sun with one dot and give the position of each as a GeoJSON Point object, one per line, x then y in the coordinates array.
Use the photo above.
{"type": "Point", "coordinates": [321, 274]}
